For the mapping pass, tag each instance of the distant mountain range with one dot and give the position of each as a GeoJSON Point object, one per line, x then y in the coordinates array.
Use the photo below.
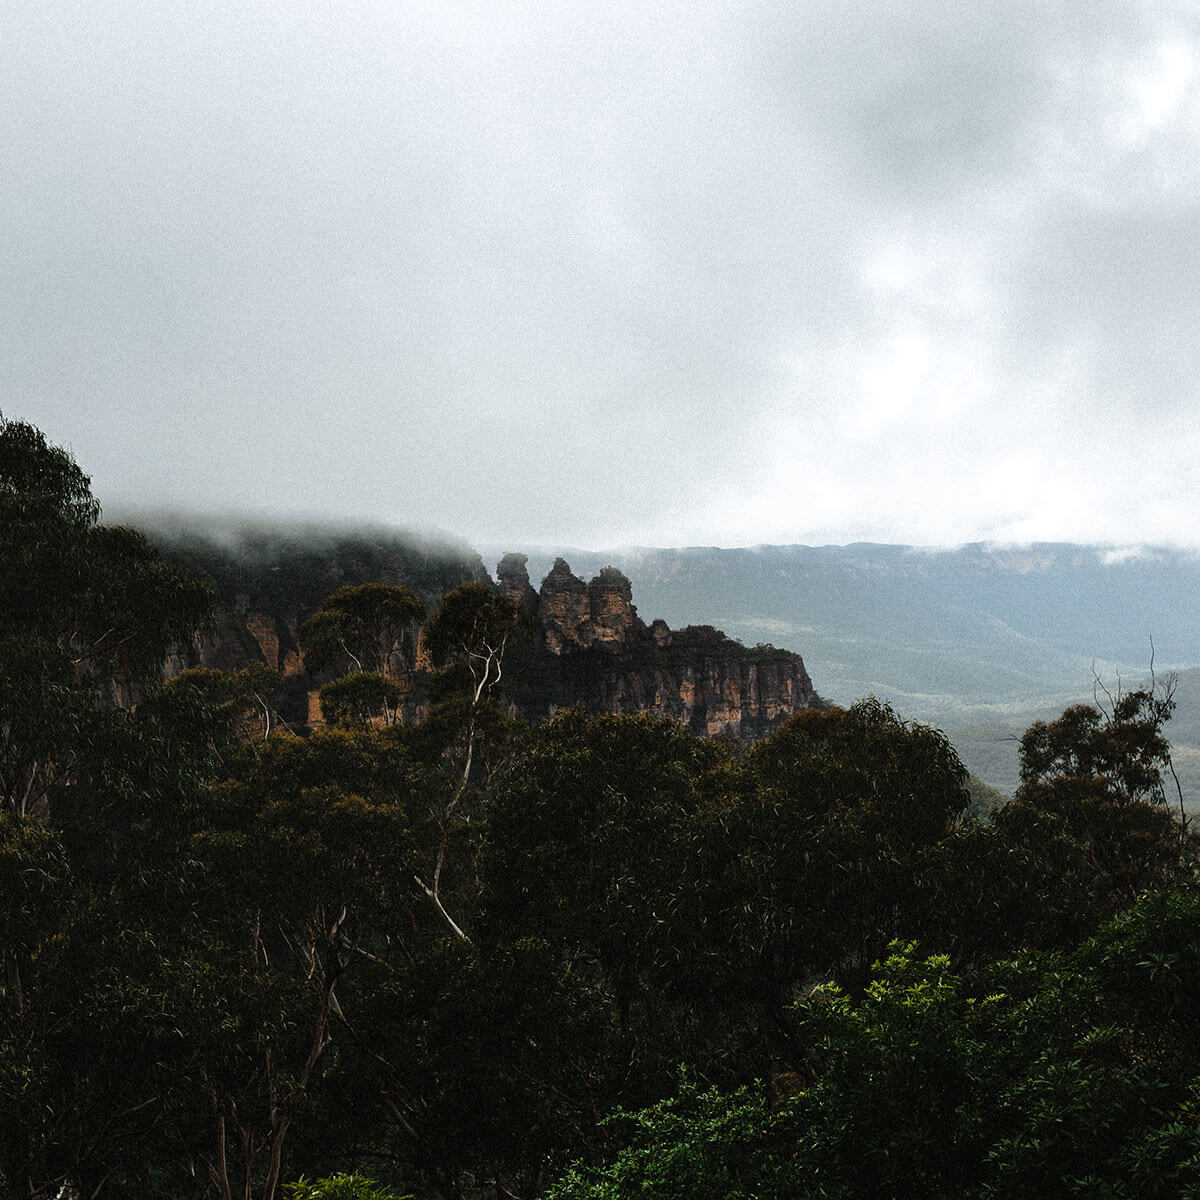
{"type": "Point", "coordinates": [979, 640]}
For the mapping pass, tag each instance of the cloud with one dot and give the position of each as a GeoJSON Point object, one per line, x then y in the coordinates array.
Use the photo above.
{"type": "Point", "coordinates": [560, 273]}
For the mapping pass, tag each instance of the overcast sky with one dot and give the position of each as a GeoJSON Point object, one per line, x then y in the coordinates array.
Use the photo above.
{"type": "Point", "coordinates": [603, 274]}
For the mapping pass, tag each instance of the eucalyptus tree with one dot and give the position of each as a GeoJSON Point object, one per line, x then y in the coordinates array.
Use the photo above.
{"type": "Point", "coordinates": [827, 852]}
{"type": "Point", "coordinates": [470, 631]}
{"type": "Point", "coordinates": [367, 636]}
{"type": "Point", "coordinates": [1098, 770]}
{"type": "Point", "coordinates": [368, 627]}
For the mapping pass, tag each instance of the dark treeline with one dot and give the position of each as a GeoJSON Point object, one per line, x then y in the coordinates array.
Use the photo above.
{"type": "Point", "coordinates": [601, 957]}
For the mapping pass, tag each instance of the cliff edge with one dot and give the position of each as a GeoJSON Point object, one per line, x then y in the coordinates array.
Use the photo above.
{"type": "Point", "coordinates": [588, 646]}
{"type": "Point", "coordinates": [591, 647]}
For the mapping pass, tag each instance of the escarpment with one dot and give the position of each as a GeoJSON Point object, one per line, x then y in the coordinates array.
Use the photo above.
{"type": "Point", "coordinates": [588, 644]}
{"type": "Point", "coordinates": [269, 581]}
{"type": "Point", "coordinates": [592, 648]}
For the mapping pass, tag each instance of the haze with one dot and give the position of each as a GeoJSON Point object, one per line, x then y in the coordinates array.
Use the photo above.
{"type": "Point", "coordinates": [625, 273]}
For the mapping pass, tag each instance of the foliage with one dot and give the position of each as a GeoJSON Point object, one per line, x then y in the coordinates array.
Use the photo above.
{"type": "Point", "coordinates": [341, 1187]}
{"type": "Point", "coordinates": [824, 857]}
{"type": "Point", "coordinates": [85, 612]}
{"type": "Point", "coordinates": [489, 1061]}
{"type": "Point", "coordinates": [102, 593]}
{"type": "Point", "coordinates": [304, 881]}
{"type": "Point", "coordinates": [1062, 1075]}
{"type": "Point", "coordinates": [694, 642]}
{"type": "Point", "coordinates": [43, 713]}
{"type": "Point", "coordinates": [587, 838]}
{"type": "Point", "coordinates": [697, 1143]}
{"type": "Point", "coordinates": [361, 699]}
{"type": "Point", "coordinates": [369, 627]}
{"type": "Point", "coordinates": [287, 570]}
{"type": "Point", "coordinates": [473, 625]}
{"type": "Point", "coordinates": [1120, 754]}
{"type": "Point", "coordinates": [238, 701]}
{"type": "Point", "coordinates": [1101, 773]}
{"type": "Point", "coordinates": [991, 888]}
{"type": "Point", "coordinates": [470, 631]}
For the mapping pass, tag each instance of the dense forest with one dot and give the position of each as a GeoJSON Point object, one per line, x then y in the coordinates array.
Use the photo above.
{"type": "Point", "coordinates": [599, 957]}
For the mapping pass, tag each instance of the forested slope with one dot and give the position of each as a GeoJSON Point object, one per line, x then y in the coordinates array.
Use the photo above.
{"type": "Point", "coordinates": [441, 954]}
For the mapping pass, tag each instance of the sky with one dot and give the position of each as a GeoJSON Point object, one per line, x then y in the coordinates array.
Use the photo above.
{"type": "Point", "coordinates": [812, 271]}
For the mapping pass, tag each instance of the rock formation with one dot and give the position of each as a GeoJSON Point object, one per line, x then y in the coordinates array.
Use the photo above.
{"type": "Point", "coordinates": [564, 611]}
{"type": "Point", "coordinates": [592, 648]}
{"type": "Point", "coordinates": [573, 615]}
{"type": "Point", "coordinates": [514, 582]}
{"type": "Point", "coordinates": [589, 645]}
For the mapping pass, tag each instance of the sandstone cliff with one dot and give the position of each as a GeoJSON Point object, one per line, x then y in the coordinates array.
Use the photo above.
{"type": "Point", "coordinates": [589, 645]}
{"type": "Point", "coordinates": [269, 581]}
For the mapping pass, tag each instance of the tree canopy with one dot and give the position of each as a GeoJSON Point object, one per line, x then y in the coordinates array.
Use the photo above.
{"type": "Point", "coordinates": [369, 627]}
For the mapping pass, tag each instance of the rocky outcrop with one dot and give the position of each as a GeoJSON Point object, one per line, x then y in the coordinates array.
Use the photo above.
{"type": "Point", "coordinates": [514, 582]}
{"type": "Point", "coordinates": [614, 618]}
{"type": "Point", "coordinates": [592, 648]}
{"type": "Point", "coordinates": [589, 646]}
{"type": "Point", "coordinates": [574, 616]}
{"type": "Point", "coordinates": [564, 611]}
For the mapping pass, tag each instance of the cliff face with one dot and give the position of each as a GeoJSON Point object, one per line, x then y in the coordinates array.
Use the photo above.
{"type": "Point", "coordinates": [270, 581]}
{"type": "Point", "coordinates": [720, 695]}
{"type": "Point", "coordinates": [591, 647]}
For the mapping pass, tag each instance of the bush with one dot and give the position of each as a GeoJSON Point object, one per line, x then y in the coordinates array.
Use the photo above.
{"type": "Point", "coordinates": [341, 1187]}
